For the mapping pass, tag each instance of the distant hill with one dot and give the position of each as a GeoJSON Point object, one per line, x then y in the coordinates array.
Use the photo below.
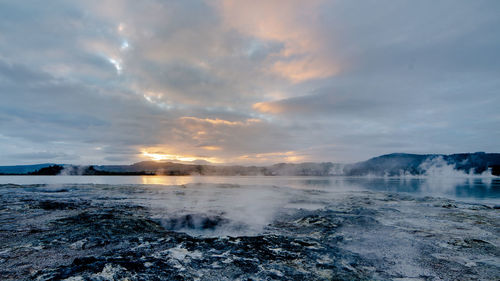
{"type": "Point", "coordinates": [396, 164]}
{"type": "Point", "coordinates": [23, 169]}
{"type": "Point", "coordinates": [169, 168]}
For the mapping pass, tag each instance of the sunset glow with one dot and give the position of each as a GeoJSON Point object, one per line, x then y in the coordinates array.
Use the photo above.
{"type": "Point", "coordinates": [171, 157]}
{"type": "Point", "coordinates": [161, 157]}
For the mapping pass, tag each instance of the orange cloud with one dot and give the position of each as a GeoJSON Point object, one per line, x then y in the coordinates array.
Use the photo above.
{"type": "Point", "coordinates": [268, 107]}
{"type": "Point", "coordinates": [220, 121]}
{"type": "Point", "coordinates": [273, 157]}
{"type": "Point", "coordinates": [292, 22]}
{"type": "Point", "coordinates": [280, 20]}
{"type": "Point", "coordinates": [211, 147]}
{"type": "Point", "coordinates": [304, 69]}
{"type": "Point", "coordinates": [160, 156]}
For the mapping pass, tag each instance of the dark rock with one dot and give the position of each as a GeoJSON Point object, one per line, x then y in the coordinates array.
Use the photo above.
{"type": "Point", "coordinates": [56, 205]}
{"type": "Point", "coordinates": [194, 221]}
{"type": "Point", "coordinates": [448, 206]}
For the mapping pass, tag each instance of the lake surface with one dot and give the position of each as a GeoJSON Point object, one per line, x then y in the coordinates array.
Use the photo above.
{"type": "Point", "coordinates": [471, 189]}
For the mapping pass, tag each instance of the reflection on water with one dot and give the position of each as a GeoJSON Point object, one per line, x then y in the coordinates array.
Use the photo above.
{"type": "Point", "coordinates": [467, 188]}
{"type": "Point", "coordinates": [163, 180]}
{"type": "Point", "coordinates": [474, 188]}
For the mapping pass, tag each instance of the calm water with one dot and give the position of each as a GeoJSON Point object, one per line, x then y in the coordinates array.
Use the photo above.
{"type": "Point", "coordinates": [481, 189]}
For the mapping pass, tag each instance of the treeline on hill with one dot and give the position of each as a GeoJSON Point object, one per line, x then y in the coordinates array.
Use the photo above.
{"type": "Point", "coordinates": [48, 171]}
{"type": "Point", "coordinates": [176, 169]}
{"type": "Point", "coordinates": [282, 169]}
{"type": "Point", "coordinates": [495, 170]}
{"type": "Point", "coordinates": [78, 170]}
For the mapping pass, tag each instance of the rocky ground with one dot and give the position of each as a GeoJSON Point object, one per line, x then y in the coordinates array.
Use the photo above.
{"type": "Point", "coordinates": [50, 234]}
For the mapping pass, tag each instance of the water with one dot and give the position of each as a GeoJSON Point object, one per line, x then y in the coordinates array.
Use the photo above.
{"type": "Point", "coordinates": [471, 189]}
{"type": "Point", "coordinates": [246, 204]}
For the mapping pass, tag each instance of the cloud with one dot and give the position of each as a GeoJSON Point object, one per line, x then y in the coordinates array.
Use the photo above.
{"type": "Point", "coordinates": [321, 104]}
{"type": "Point", "coordinates": [292, 23]}
{"type": "Point", "coordinates": [219, 121]}
{"type": "Point", "coordinates": [246, 81]}
{"type": "Point", "coordinates": [44, 155]}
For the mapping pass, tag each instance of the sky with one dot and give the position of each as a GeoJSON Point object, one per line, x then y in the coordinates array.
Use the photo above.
{"type": "Point", "coordinates": [246, 82]}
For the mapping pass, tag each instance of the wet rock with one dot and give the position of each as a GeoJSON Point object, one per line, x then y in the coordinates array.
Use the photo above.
{"type": "Point", "coordinates": [448, 206]}
{"type": "Point", "coordinates": [56, 205]}
{"type": "Point", "coordinates": [194, 221]}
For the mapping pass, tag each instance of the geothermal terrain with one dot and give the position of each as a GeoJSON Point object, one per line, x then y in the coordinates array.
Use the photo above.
{"type": "Point", "coordinates": [237, 228]}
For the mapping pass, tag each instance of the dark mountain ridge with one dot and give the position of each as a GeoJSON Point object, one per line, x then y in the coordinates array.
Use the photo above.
{"type": "Point", "coordinates": [23, 169]}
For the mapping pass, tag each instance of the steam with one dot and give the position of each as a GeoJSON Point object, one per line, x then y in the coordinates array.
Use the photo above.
{"type": "Point", "coordinates": [72, 170]}
{"type": "Point", "coordinates": [217, 209]}
{"type": "Point", "coordinates": [438, 167]}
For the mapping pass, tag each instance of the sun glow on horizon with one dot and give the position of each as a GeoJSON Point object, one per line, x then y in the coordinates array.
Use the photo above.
{"type": "Point", "coordinates": [173, 157]}
{"type": "Point", "coordinates": [156, 154]}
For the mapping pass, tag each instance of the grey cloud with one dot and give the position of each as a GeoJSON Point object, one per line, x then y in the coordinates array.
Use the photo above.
{"type": "Point", "coordinates": [20, 74]}
{"type": "Point", "coordinates": [413, 77]}
{"type": "Point", "coordinates": [121, 159]}
{"type": "Point", "coordinates": [65, 119]}
{"type": "Point", "coordinates": [44, 155]}
{"type": "Point", "coordinates": [323, 104]}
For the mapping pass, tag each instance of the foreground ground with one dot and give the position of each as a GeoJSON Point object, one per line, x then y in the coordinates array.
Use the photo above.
{"type": "Point", "coordinates": [50, 234]}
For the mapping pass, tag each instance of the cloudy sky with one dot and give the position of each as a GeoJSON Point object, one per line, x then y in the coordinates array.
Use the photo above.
{"type": "Point", "coordinates": [249, 82]}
